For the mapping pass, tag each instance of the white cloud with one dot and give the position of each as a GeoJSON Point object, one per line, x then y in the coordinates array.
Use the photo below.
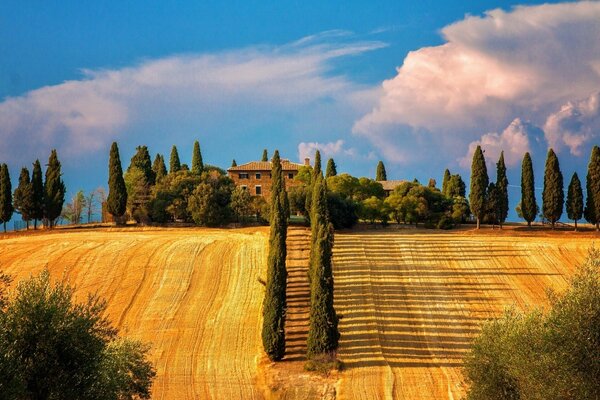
{"type": "Point", "coordinates": [330, 149]}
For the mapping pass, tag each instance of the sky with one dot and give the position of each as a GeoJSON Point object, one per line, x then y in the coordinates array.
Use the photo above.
{"type": "Point", "coordinates": [416, 84]}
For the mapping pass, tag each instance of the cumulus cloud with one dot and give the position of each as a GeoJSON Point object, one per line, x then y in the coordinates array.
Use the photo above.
{"type": "Point", "coordinates": [85, 115]}
{"type": "Point", "coordinates": [330, 149]}
{"type": "Point", "coordinates": [523, 63]}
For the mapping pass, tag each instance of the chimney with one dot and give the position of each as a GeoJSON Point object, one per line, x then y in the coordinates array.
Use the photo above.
{"type": "Point", "coordinates": [307, 162]}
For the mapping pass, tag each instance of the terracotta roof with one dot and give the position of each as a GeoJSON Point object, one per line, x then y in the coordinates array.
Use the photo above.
{"type": "Point", "coordinates": [286, 165]}
{"type": "Point", "coordinates": [390, 185]}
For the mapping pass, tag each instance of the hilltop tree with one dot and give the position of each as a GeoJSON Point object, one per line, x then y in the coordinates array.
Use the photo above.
{"type": "Point", "coordinates": [529, 207]}
{"type": "Point", "coordinates": [331, 168]}
{"type": "Point", "coordinates": [116, 203]}
{"type": "Point", "coordinates": [502, 190]}
{"type": "Point", "coordinates": [197, 163]}
{"type": "Point", "coordinates": [456, 187]}
{"type": "Point", "coordinates": [37, 187]}
{"type": "Point", "coordinates": [432, 183]}
{"type": "Point", "coordinates": [274, 305]}
{"type": "Point", "coordinates": [174, 163]}
{"type": "Point", "coordinates": [159, 167]}
{"type": "Point", "coordinates": [265, 155]}
{"type": "Point", "coordinates": [141, 160]}
{"type": "Point", "coordinates": [54, 190]}
{"type": "Point", "coordinates": [574, 203]}
{"type": "Point", "coordinates": [479, 184]}
{"type": "Point", "coordinates": [6, 204]}
{"type": "Point", "coordinates": [381, 174]}
{"type": "Point", "coordinates": [445, 182]}
{"type": "Point", "coordinates": [553, 196]}
{"type": "Point", "coordinates": [23, 197]}
{"type": "Point", "coordinates": [233, 163]}
{"type": "Point", "coordinates": [592, 184]}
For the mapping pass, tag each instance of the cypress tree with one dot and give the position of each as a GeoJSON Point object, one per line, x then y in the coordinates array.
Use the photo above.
{"type": "Point", "coordinates": [197, 164]}
{"type": "Point", "coordinates": [316, 172]}
{"type": "Point", "coordinates": [23, 197]}
{"type": "Point", "coordinates": [553, 196]}
{"type": "Point", "coordinates": [331, 168]}
{"type": "Point", "coordinates": [317, 167]}
{"type": "Point", "coordinates": [116, 203]}
{"type": "Point", "coordinates": [265, 155]}
{"type": "Point", "coordinates": [54, 190]}
{"type": "Point", "coordinates": [492, 205]}
{"type": "Point", "coordinates": [381, 174]}
{"type": "Point", "coordinates": [141, 160]}
{"type": "Point", "coordinates": [6, 203]}
{"type": "Point", "coordinates": [479, 184]}
{"type": "Point", "coordinates": [274, 305]}
{"type": "Point", "coordinates": [574, 202]}
{"type": "Point", "coordinates": [502, 190]}
{"type": "Point", "coordinates": [233, 163]}
{"type": "Point", "coordinates": [159, 167]}
{"type": "Point", "coordinates": [37, 187]}
{"type": "Point", "coordinates": [174, 163]}
{"type": "Point", "coordinates": [592, 184]}
{"type": "Point", "coordinates": [529, 207]}
{"type": "Point", "coordinates": [445, 182]}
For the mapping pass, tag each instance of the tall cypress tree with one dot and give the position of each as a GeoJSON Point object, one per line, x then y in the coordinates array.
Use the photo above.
{"type": "Point", "coordinates": [502, 190]}
{"type": "Point", "coordinates": [592, 184]}
{"type": "Point", "coordinates": [529, 207]}
{"type": "Point", "coordinates": [574, 203]}
{"type": "Point", "coordinates": [381, 174]}
{"type": "Point", "coordinates": [54, 190]}
{"type": "Point", "coordinates": [316, 172]}
{"type": "Point", "coordinates": [331, 168]}
{"type": "Point", "coordinates": [233, 163]}
{"type": "Point", "coordinates": [23, 197]}
{"type": "Point", "coordinates": [141, 160]}
{"type": "Point", "coordinates": [159, 167]}
{"type": "Point", "coordinates": [197, 163]}
{"type": "Point", "coordinates": [274, 305]}
{"type": "Point", "coordinates": [37, 186]}
{"type": "Point", "coordinates": [479, 184]}
{"type": "Point", "coordinates": [553, 196]}
{"type": "Point", "coordinates": [445, 182]}
{"type": "Point", "coordinates": [317, 167]}
{"type": "Point", "coordinates": [265, 155]}
{"type": "Point", "coordinates": [174, 163]}
{"type": "Point", "coordinates": [116, 203]}
{"type": "Point", "coordinates": [6, 203]}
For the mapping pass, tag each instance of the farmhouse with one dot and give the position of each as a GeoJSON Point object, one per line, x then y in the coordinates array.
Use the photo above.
{"type": "Point", "coordinates": [389, 186]}
{"type": "Point", "coordinates": [255, 176]}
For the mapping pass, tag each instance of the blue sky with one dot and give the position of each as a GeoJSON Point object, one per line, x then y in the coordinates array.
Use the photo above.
{"type": "Point", "coordinates": [416, 84]}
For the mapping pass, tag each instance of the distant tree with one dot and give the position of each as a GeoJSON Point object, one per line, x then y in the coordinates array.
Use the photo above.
{"type": "Point", "coordinates": [592, 205]}
{"type": "Point", "coordinates": [93, 202]}
{"type": "Point", "coordinates": [502, 190]}
{"type": "Point", "coordinates": [141, 160]}
{"type": "Point", "coordinates": [317, 166]}
{"type": "Point", "coordinates": [37, 186]}
{"type": "Point", "coordinates": [6, 201]}
{"type": "Point", "coordinates": [159, 168]}
{"type": "Point", "coordinates": [265, 155]}
{"type": "Point", "coordinates": [240, 204]}
{"type": "Point", "coordinates": [197, 163]}
{"type": "Point", "coordinates": [455, 187]}
{"type": "Point", "coordinates": [315, 173]}
{"type": "Point", "coordinates": [492, 205]}
{"type": "Point", "coordinates": [74, 210]}
{"type": "Point", "coordinates": [233, 163]}
{"type": "Point", "coordinates": [184, 167]}
{"type": "Point", "coordinates": [138, 194]}
{"type": "Point", "coordinates": [209, 203]}
{"type": "Point", "coordinates": [331, 169]}
{"type": "Point", "coordinates": [553, 196]}
{"type": "Point", "coordinates": [574, 203]}
{"type": "Point", "coordinates": [432, 183]}
{"type": "Point", "coordinates": [54, 190]}
{"type": "Point", "coordinates": [479, 183]}
{"type": "Point", "coordinates": [174, 163]}
{"type": "Point", "coordinates": [529, 207]}
{"type": "Point", "coordinates": [445, 182]}
{"type": "Point", "coordinates": [381, 174]}
{"type": "Point", "coordinates": [23, 197]}
{"type": "Point", "coordinates": [116, 203]}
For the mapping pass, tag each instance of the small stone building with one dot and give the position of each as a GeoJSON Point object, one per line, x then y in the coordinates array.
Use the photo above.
{"type": "Point", "coordinates": [255, 176]}
{"type": "Point", "coordinates": [389, 186]}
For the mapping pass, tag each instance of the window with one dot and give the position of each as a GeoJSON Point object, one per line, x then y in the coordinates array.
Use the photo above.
{"type": "Point", "coordinates": [244, 187]}
{"type": "Point", "coordinates": [258, 175]}
{"type": "Point", "coordinates": [243, 175]}
{"type": "Point", "coordinates": [291, 175]}
{"type": "Point", "coordinates": [258, 190]}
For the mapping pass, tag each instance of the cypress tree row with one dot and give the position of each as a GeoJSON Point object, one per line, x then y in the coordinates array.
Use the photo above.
{"type": "Point", "coordinates": [159, 167]}
{"type": "Point", "coordinates": [6, 204]}
{"type": "Point", "coordinates": [553, 196]}
{"type": "Point", "coordinates": [381, 174]}
{"type": "Point", "coordinates": [116, 202]}
{"type": "Point", "coordinates": [592, 184]}
{"type": "Point", "coordinates": [331, 168]}
{"type": "Point", "coordinates": [37, 187]}
{"type": "Point", "coordinates": [141, 160]}
{"type": "Point", "coordinates": [23, 197]}
{"type": "Point", "coordinates": [54, 190]}
{"type": "Point", "coordinates": [574, 203]}
{"type": "Point", "coordinates": [501, 190]}
{"type": "Point", "coordinates": [174, 163]}
{"type": "Point", "coordinates": [197, 163]}
{"type": "Point", "coordinates": [479, 184]}
{"type": "Point", "coordinates": [274, 305]}
{"type": "Point", "coordinates": [265, 155]}
{"type": "Point", "coordinates": [529, 207]}
{"type": "Point", "coordinates": [445, 182]}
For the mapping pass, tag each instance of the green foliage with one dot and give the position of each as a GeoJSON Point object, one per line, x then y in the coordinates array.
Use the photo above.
{"type": "Point", "coordinates": [297, 199]}
{"type": "Point", "coordinates": [331, 168]}
{"type": "Point", "coordinates": [169, 198]}
{"type": "Point", "coordinates": [479, 183]}
{"type": "Point", "coordinates": [52, 348]}
{"type": "Point", "coordinates": [574, 203]}
{"type": "Point", "coordinates": [304, 175]}
{"type": "Point", "coordinates": [529, 207]}
{"type": "Point", "coordinates": [432, 183]}
{"type": "Point", "coordinates": [445, 182]}
{"type": "Point", "coordinates": [233, 163]}
{"type": "Point", "coordinates": [37, 186]}
{"type": "Point", "coordinates": [209, 203]}
{"type": "Point", "coordinates": [174, 163]}
{"type": "Point", "coordinates": [265, 155]}
{"type": "Point", "coordinates": [116, 202]}
{"type": "Point", "coordinates": [54, 190]}
{"type": "Point", "coordinates": [373, 209]}
{"type": "Point", "coordinates": [592, 204]}
{"type": "Point", "coordinates": [141, 161]}
{"type": "Point", "coordinates": [553, 196]}
{"type": "Point", "coordinates": [159, 168]}
{"type": "Point", "coordinates": [343, 212]}
{"type": "Point", "coordinates": [23, 197]}
{"type": "Point", "coordinates": [74, 210]}
{"type": "Point", "coordinates": [6, 201]}
{"type": "Point", "coordinates": [241, 204]}
{"type": "Point", "coordinates": [197, 163]}
{"type": "Point", "coordinates": [536, 355]}
{"type": "Point", "coordinates": [492, 205]}
{"type": "Point", "coordinates": [138, 193]}
{"type": "Point", "coordinates": [381, 174]}
{"type": "Point", "coordinates": [317, 166]}
{"type": "Point", "coordinates": [460, 209]}
{"type": "Point", "coordinates": [502, 188]}
{"type": "Point", "coordinates": [455, 187]}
